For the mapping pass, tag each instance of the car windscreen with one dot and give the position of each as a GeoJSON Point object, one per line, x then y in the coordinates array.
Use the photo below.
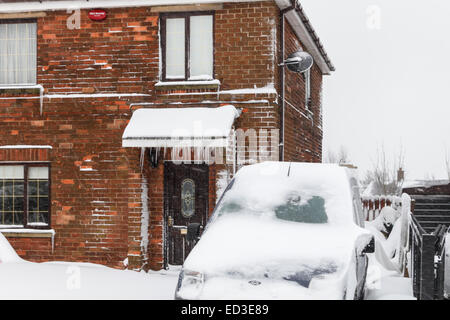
{"type": "Point", "coordinates": [294, 207]}
{"type": "Point", "coordinates": [309, 211]}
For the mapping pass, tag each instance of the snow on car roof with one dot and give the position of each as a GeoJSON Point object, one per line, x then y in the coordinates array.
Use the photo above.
{"type": "Point", "coordinates": [268, 184]}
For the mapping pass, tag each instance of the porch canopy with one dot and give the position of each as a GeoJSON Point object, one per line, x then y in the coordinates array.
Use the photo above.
{"type": "Point", "coordinates": [180, 127]}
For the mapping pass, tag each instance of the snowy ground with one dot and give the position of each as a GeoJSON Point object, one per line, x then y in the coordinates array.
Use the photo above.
{"type": "Point", "coordinates": [383, 284]}
{"type": "Point", "coordinates": [26, 280]}
{"type": "Point", "coordinates": [56, 280]}
{"type": "Point", "coordinates": [64, 280]}
{"type": "Point", "coordinates": [21, 279]}
{"type": "Point", "coordinates": [384, 280]}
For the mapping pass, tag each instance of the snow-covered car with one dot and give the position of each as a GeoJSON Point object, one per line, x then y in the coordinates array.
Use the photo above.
{"type": "Point", "coordinates": [282, 231]}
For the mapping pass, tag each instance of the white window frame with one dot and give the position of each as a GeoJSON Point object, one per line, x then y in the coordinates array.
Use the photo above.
{"type": "Point", "coordinates": [32, 63]}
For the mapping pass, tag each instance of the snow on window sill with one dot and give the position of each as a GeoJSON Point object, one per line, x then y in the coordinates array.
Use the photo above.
{"type": "Point", "coordinates": [24, 89]}
{"type": "Point", "coordinates": [190, 84]}
{"type": "Point", "coordinates": [20, 146]}
{"type": "Point", "coordinates": [21, 88]}
{"type": "Point", "coordinates": [19, 85]}
{"type": "Point", "coordinates": [26, 233]}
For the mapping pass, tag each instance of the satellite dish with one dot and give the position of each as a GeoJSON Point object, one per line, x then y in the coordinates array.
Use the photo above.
{"type": "Point", "coordinates": [299, 61]}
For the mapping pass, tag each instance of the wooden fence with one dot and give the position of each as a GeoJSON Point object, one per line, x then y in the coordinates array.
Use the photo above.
{"type": "Point", "coordinates": [372, 205]}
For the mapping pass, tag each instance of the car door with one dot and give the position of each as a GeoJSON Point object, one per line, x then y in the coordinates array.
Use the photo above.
{"type": "Point", "coordinates": [362, 263]}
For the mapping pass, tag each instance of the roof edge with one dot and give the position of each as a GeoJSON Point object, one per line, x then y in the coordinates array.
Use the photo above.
{"type": "Point", "coordinates": [32, 6]}
{"type": "Point", "coordinates": [306, 33]}
{"type": "Point", "coordinates": [297, 18]}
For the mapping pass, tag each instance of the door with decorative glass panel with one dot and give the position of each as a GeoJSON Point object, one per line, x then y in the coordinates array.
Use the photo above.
{"type": "Point", "coordinates": [186, 201]}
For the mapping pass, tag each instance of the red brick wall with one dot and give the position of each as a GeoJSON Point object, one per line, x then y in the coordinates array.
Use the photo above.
{"type": "Point", "coordinates": [97, 184]}
{"type": "Point", "coordinates": [118, 54]}
{"type": "Point", "coordinates": [92, 212]}
{"type": "Point", "coordinates": [245, 44]}
{"type": "Point", "coordinates": [96, 214]}
{"type": "Point", "coordinates": [32, 249]}
{"type": "Point", "coordinates": [303, 136]}
{"type": "Point", "coordinates": [156, 207]}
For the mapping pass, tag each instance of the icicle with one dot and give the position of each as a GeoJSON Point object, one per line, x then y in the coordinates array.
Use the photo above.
{"type": "Point", "coordinates": [205, 151]}
{"type": "Point", "coordinates": [41, 99]}
{"type": "Point", "coordinates": [141, 160]}
{"type": "Point", "coordinates": [175, 154]}
{"type": "Point", "coordinates": [53, 242]}
{"type": "Point", "coordinates": [199, 155]}
{"type": "Point", "coordinates": [208, 156]}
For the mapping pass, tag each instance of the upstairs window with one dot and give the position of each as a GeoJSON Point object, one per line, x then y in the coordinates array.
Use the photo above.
{"type": "Point", "coordinates": [187, 46]}
{"type": "Point", "coordinates": [24, 196]}
{"type": "Point", "coordinates": [17, 52]}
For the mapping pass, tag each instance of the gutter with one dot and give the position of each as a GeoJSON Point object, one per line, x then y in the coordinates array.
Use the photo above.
{"type": "Point", "coordinates": [283, 80]}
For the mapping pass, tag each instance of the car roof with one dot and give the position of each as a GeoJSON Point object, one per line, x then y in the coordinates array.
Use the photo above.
{"type": "Point", "coordinates": [290, 169]}
{"type": "Point", "coordinates": [269, 184]}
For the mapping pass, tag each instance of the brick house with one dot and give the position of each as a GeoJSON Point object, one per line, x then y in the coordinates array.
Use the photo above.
{"type": "Point", "coordinates": [90, 167]}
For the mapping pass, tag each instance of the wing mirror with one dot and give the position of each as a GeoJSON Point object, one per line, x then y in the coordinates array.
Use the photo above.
{"type": "Point", "coordinates": [366, 244]}
{"type": "Point", "coordinates": [193, 232]}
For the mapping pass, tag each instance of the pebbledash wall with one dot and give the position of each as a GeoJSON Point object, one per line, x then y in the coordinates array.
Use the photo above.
{"type": "Point", "coordinates": [102, 202]}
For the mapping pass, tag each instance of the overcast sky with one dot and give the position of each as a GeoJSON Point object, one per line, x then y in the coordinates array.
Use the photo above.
{"type": "Point", "coordinates": [391, 86]}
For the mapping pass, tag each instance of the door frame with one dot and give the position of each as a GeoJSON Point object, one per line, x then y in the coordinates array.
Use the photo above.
{"type": "Point", "coordinates": [166, 213]}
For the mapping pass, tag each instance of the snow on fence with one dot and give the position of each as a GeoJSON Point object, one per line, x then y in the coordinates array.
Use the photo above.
{"type": "Point", "coordinates": [372, 205]}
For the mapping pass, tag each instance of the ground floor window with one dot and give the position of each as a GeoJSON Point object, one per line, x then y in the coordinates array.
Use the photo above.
{"type": "Point", "coordinates": [24, 196]}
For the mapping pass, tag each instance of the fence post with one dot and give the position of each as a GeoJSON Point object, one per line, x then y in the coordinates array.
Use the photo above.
{"type": "Point", "coordinates": [382, 203]}
{"type": "Point", "coordinates": [376, 210]}
{"type": "Point", "coordinates": [440, 277]}
{"type": "Point", "coordinates": [366, 209]}
{"type": "Point", "coordinates": [427, 267]}
{"type": "Point", "coordinates": [415, 272]}
{"type": "Point", "coordinates": [404, 237]}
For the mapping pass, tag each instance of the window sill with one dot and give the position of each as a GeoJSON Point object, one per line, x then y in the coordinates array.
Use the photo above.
{"type": "Point", "coordinates": [171, 85]}
{"type": "Point", "coordinates": [28, 233]}
{"type": "Point", "coordinates": [21, 89]}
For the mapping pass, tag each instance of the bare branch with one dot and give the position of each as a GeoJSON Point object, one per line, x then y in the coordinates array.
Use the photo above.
{"type": "Point", "coordinates": [337, 157]}
{"type": "Point", "coordinates": [385, 175]}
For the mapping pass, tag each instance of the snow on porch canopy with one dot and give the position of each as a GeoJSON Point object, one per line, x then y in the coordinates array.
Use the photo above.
{"type": "Point", "coordinates": [180, 127]}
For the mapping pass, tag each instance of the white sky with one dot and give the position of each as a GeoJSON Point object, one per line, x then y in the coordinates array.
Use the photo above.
{"type": "Point", "coordinates": [391, 86]}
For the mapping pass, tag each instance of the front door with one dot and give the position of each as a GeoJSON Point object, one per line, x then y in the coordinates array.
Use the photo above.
{"type": "Point", "coordinates": [186, 201]}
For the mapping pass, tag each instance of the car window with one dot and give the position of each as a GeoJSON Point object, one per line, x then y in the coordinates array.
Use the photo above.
{"type": "Point", "coordinates": [296, 210]}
